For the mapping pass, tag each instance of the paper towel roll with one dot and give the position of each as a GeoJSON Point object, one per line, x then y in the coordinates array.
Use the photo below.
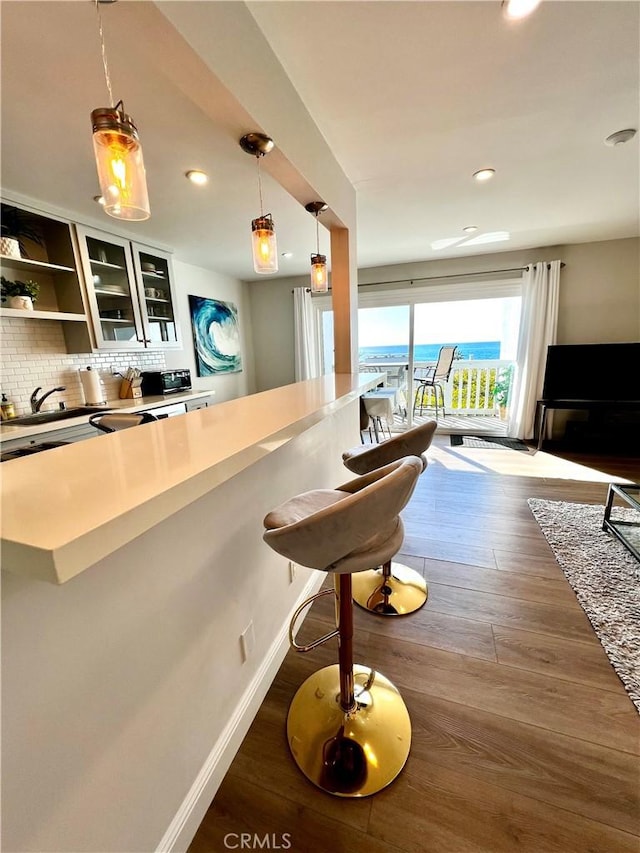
{"type": "Point", "coordinates": [92, 386]}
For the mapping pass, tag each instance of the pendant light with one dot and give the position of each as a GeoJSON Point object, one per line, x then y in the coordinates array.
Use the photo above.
{"type": "Point", "coordinates": [118, 153]}
{"type": "Point", "coordinates": [319, 275]}
{"type": "Point", "coordinates": [263, 230]}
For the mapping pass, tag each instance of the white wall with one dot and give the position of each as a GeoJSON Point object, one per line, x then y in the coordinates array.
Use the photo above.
{"type": "Point", "coordinates": [124, 693]}
{"type": "Point", "coordinates": [599, 297]}
{"type": "Point", "coordinates": [272, 308]}
{"type": "Point", "coordinates": [196, 281]}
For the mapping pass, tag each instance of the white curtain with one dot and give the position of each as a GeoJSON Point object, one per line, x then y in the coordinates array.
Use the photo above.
{"type": "Point", "coordinates": [305, 336]}
{"type": "Point", "coordinates": [538, 324]}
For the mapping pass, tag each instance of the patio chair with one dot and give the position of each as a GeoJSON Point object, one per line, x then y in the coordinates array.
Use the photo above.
{"type": "Point", "coordinates": [431, 378]}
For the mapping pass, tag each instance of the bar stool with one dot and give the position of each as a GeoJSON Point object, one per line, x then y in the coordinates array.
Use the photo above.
{"type": "Point", "coordinates": [348, 728]}
{"type": "Point", "coordinates": [394, 589]}
{"type": "Point", "coordinates": [115, 421]}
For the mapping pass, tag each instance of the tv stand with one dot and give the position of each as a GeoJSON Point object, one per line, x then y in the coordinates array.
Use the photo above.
{"type": "Point", "coordinates": [601, 406]}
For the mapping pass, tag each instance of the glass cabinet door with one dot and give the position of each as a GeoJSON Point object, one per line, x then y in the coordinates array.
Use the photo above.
{"type": "Point", "coordinates": [112, 290]}
{"type": "Point", "coordinates": [157, 300]}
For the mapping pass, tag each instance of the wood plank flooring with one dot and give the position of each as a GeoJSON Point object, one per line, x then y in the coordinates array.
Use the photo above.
{"type": "Point", "coordinates": [523, 736]}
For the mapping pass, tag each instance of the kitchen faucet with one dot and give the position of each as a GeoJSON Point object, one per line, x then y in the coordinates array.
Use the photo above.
{"type": "Point", "coordinates": [36, 404]}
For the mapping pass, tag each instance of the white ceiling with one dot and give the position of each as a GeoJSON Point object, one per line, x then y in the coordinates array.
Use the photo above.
{"type": "Point", "coordinates": [411, 97]}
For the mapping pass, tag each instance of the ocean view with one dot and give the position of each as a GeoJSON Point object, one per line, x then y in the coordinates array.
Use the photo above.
{"type": "Point", "coordinates": [429, 352]}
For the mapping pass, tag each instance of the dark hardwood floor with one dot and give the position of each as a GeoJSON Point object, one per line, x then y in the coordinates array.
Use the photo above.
{"type": "Point", "coordinates": [523, 737]}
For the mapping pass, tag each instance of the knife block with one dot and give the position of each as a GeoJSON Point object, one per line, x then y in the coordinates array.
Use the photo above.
{"type": "Point", "coordinates": [131, 389]}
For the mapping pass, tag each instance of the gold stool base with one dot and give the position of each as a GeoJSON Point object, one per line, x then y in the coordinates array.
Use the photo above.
{"type": "Point", "coordinates": [355, 753]}
{"type": "Point", "coordinates": [404, 592]}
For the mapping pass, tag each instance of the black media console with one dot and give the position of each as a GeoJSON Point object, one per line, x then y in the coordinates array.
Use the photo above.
{"type": "Point", "coordinates": [603, 379]}
{"type": "Point", "coordinates": [599, 407]}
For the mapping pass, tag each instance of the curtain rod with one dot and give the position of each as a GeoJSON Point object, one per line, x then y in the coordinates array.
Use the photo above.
{"type": "Point", "coordinates": [440, 277]}
{"type": "Point", "coordinates": [451, 275]}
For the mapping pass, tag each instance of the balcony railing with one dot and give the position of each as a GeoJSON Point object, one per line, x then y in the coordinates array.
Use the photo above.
{"type": "Point", "coordinates": [471, 389]}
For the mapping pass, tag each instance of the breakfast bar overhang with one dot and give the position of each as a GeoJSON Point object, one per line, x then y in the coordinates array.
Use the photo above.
{"type": "Point", "coordinates": [66, 509]}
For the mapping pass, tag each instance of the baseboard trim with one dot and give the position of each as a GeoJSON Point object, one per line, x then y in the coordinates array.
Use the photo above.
{"type": "Point", "coordinates": [188, 818]}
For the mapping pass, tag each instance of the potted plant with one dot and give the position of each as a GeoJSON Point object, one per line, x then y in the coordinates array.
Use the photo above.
{"type": "Point", "coordinates": [15, 228]}
{"type": "Point", "coordinates": [19, 294]}
{"type": "Point", "coordinates": [501, 390]}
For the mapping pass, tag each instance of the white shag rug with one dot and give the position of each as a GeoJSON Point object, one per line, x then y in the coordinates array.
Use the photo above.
{"type": "Point", "coordinates": [605, 578]}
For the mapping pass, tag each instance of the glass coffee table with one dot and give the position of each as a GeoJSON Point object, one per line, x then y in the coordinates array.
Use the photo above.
{"type": "Point", "coordinates": [628, 529]}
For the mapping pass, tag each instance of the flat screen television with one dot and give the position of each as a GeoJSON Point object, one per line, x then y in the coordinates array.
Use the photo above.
{"type": "Point", "coordinates": [595, 372]}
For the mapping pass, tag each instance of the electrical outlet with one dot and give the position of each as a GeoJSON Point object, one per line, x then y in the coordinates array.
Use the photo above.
{"type": "Point", "coordinates": [292, 571]}
{"type": "Point", "coordinates": [247, 642]}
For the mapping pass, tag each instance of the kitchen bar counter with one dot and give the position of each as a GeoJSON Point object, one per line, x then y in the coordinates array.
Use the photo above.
{"type": "Point", "coordinates": [68, 508]}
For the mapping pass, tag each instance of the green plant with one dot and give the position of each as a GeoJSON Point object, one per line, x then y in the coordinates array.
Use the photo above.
{"type": "Point", "coordinates": [503, 385]}
{"type": "Point", "coordinates": [19, 288]}
{"type": "Point", "coordinates": [18, 224]}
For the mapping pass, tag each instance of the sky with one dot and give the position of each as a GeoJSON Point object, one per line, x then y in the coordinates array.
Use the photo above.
{"type": "Point", "coordinates": [440, 322]}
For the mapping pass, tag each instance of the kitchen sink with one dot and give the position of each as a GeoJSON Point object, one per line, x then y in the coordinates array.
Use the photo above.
{"type": "Point", "coordinates": [58, 415]}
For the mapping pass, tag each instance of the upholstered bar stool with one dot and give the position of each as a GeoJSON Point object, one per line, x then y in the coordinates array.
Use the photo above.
{"type": "Point", "coordinates": [115, 421]}
{"type": "Point", "coordinates": [348, 727]}
{"type": "Point", "coordinates": [392, 589]}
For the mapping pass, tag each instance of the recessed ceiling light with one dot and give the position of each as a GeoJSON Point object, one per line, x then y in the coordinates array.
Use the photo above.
{"type": "Point", "coordinates": [287, 254]}
{"type": "Point", "coordinates": [484, 174]}
{"type": "Point", "coordinates": [620, 136]}
{"type": "Point", "coordinates": [99, 200]}
{"type": "Point", "coordinates": [513, 10]}
{"type": "Point", "coordinates": [196, 176]}
{"type": "Point", "coordinates": [469, 229]}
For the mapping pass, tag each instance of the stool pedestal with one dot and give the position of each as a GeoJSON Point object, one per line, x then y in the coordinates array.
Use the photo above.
{"type": "Point", "coordinates": [348, 728]}
{"type": "Point", "coordinates": [393, 590]}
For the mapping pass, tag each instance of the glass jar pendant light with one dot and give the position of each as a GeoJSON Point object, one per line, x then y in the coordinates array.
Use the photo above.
{"type": "Point", "coordinates": [118, 153]}
{"type": "Point", "coordinates": [263, 230]}
{"type": "Point", "coordinates": [319, 274]}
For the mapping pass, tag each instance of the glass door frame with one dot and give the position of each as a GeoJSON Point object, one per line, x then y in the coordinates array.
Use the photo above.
{"type": "Point", "coordinates": [90, 267]}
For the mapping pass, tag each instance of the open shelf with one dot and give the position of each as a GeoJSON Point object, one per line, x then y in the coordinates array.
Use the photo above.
{"type": "Point", "coordinates": [33, 266]}
{"type": "Point", "coordinates": [42, 315]}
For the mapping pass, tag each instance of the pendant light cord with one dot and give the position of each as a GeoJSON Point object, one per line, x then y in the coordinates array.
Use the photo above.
{"type": "Point", "coordinates": [317, 236]}
{"type": "Point", "coordinates": [104, 55]}
{"type": "Point", "coordinates": [260, 186]}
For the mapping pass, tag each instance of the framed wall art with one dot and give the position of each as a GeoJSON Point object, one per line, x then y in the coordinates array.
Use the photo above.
{"type": "Point", "coordinates": [216, 336]}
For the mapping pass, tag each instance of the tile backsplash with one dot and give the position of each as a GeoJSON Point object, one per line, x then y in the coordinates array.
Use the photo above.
{"type": "Point", "coordinates": [32, 353]}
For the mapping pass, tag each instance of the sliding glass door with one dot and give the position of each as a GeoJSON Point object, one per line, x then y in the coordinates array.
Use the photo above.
{"type": "Point", "coordinates": [400, 333]}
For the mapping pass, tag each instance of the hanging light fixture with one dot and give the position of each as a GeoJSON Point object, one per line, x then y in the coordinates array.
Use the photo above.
{"type": "Point", "coordinates": [118, 154]}
{"type": "Point", "coordinates": [319, 275]}
{"type": "Point", "coordinates": [263, 230]}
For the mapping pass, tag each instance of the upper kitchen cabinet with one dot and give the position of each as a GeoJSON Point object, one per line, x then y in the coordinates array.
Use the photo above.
{"type": "Point", "coordinates": [45, 256]}
{"type": "Point", "coordinates": [157, 301]}
{"type": "Point", "coordinates": [130, 292]}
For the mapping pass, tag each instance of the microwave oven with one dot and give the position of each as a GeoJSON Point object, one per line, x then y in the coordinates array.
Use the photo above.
{"type": "Point", "coordinates": [156, 382]}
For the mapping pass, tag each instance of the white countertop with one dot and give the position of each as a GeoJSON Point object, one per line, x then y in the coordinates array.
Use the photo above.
{"type": "Point", "coordinates": [9, 432]}
{"type": "Point", "coordinates": [66, 508]}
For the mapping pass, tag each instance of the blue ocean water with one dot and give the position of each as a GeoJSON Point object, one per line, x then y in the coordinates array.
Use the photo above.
{"type": "Point", "coordinates": [429, 352]}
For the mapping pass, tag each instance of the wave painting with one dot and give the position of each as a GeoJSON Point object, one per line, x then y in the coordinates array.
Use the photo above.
{"type": "Point", "coordinates": [216, 336]}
